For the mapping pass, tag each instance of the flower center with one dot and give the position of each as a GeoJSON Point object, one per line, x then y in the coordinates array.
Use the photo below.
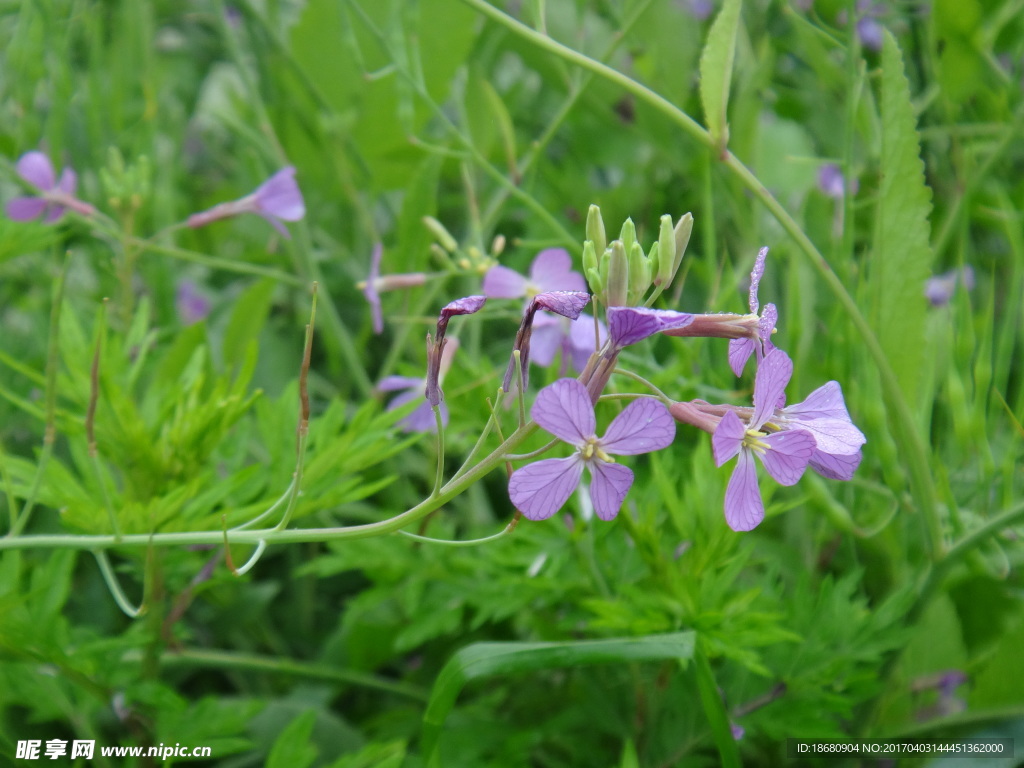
{"type": "Point", "coordinates": [592, 450]}
{"type": "Point", "coordinates": [752, 440]}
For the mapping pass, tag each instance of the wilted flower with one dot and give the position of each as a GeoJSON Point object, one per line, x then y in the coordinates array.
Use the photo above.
{"type": "Point", "coordinates": [422, 417]}
{"type": "Point", "coordinates": [54, 195]}
{"type": "Point", "coordinates": [376, 284]}
{"type": "Point", "coordinates": [785, 454]}
{"type": "Point", "coordinates": [551, 270]}
{"type": "Point", "coordinates": [628, 325]}
{"type": "Point", "coordinates": [435, 346]}
{"type": "Point", "coordinates": [741, 349]}
{"type": "Point", "coordinates": [564, 409]}
{"type": "Point", "coordinates": [565, 303]}
{"type": "Point", "coordinates": [277, 200]}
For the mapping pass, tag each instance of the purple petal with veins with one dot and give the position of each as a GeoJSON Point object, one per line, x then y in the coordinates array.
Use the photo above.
{"type": "Point", "coordinates": [628, 325]}
{"type": "Point", "coordinates": [565, 303]}
{"type": "Point", "coordinates": [755, 279]}
{"type": "Point", "coordinates": [644, 426]}
{"type": "Point", "coordinates": [540, 489]}
{"type": "Point", "coordinates": [504, 283]}
{"type": "Point", "coordinates": [740, 351]}
{"type": "Point", "coordinates": [835, 467]}
{"type": "Point", "coordinates": [564, 409]}
{"type": "Point", "coordinates": [744, 509]}
{"type": "Point", "coordinates": [773, 374]}
{"type": "Point", "coordinates": [788, 454]}
{"type": "Point", "coordinates": [609, 485]}
{"type": "Point", "coordinates": [552, 270]}
{"type": "Point", "coordinates": [464, 306]}
{"type": "Point", "coordinates": [727, 440]}
{"type": "Point", "coordinates": [826, 402]}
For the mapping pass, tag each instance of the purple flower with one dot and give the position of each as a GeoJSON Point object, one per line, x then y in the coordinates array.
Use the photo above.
{"type": "Point", "coordinates": [54, 197]}
{"type": "Point", "coordinates": [785, 454]}
{"type": "Point", "coordinates": [837, 441]}
{"type": "Point", "coordinates": [192, 305]}
{"type": "Point", "coordinates": [741, 349]}
{"type": "Point", "coordinates": [376, 284]}
{"type": "Point", "coordinates": [628, 325]}
{"type": "Point", "coordinates": [422, 417]}
{"type": "Point", "coordinates": [564, 409]}
{"type": "Point", "coordinates": [870, 32]}
{"type": "Point", "coordinates": [939, 289]}
{"type": "Point", "coordinates": [551, 270]}
{"type": "Point", "coordinates": [575, 339]}
{"type": "Point", "coordinates": [277, 200]}
{"type": "Point", "coordinates": [699, 9]}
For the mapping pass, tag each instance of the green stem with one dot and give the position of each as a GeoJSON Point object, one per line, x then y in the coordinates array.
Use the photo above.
{"type": "Point", "coordinates": [114, 586]}
{"type": "Point", "coordinates": [469, 543]}
{"type": "Point", "coordinates": [439, 477]}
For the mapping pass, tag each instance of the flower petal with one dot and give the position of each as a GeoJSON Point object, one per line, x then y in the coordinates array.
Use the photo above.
{"type": "Point", "coordinates": [392, 383]}
{"type": "Point", "coordinates": [540, 489]}
{"type": "Point", "coordinates": [740, 351]}
{"type": "Point", "coordinates": [755, 279]}
{"type": "Point", "coordinates": [744, 509]}
{"type": "Point", "coordinates": [68, 181]}
{"type": "Point", "coordinates": [826, 402]}
{"type": "Point", "coordinates": [37, 170]}
{"type": "Point", "coordinates": [835, 436]}
{"type": "Point", "coordinates": [835, 467]}
{"type": "Point", "coordinates": [728, 438]}
{"type": "Point", "coordinates": [422, 418]}
{"type": "Point", "coordinates": [628, 325]}
{"type": "Point", "coordinates": [25, 208]}
{"type": "Point", "coordinates": [464, 306]}
{"type": "Point", "coordinates": [773, 374]}
{"type": "Point", "coordinates": [370, 290]}
{"type": "Point", "coordinates": [609, 485]}
{"type": "Point", "coordinates": [644, 426]}
{"type": "Point", "coordinates": [788, 454]}
{"type": "Point", "coordinates": [276, 224]}
{"type": "Point", "coordinates": [54, 213]}
{"type": "Point", "coordinates": [565, 303]}
{"type": "Point", "coordinates": [766, 326]}
{"type": "Point", "coordinates": [504, 283]}
{"type": "Point", "coordinates": [582, 341]}
{"type": "Point", "coordinates": [552, 271]}
{"type": "Point", "coordinates": [564, 409]}
{"type": "Point", "coordinates": [546, 339]}
{"type": "Point", "coordinates": [279, 196]}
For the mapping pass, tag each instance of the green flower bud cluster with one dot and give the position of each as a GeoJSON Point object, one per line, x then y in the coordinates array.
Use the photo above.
{"type": "Point", "coordinates": [126, 186]}
{"type": "Point", "coordinates": [472, 259]}
{"type": "Point", "coordinates": [620, 274]}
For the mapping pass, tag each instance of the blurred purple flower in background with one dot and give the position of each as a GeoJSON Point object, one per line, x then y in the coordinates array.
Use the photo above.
{"type": "Point", "coordinates": [192, 305]}
{"type": "Point", "coordinates": [564, 409]}
{"type": "Point", "coordinates": [939, 290]}
{"type": "Point", "coordinates": [832, 182]}
{"type": "Point", "coordinates": [55, 195]}
{"type": "Point", "coordinates": [784, 454]}
{"type": "Point", "coordinates": [276, 200]}
{"type": "Point", "coordinates": [551, 270]}
{"type": "Point", "coordinates": [375, 284]}
{"type": "Point", "coordinates": [422, 417]}
{"type": "Point", "coordinates": [575, 339]}
{"type": "Point", "coordinates": [699, 9]}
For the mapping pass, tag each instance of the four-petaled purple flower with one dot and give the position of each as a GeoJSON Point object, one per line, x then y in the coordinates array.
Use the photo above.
{"type": "Point", "coordinates": [564, 409]}
{"type": "Point", "coordinates": [741, 349]}
{"type": "Point", "coordinates": [785, 453]}
{"type": "Point", "coordinates": [54, 195]}
{"type": "Point", "coordinates": [628, 325]}
{"type": "Point", "coordinates": [277, 200]}
{"type": "Point", "coordinates": [551, 270]}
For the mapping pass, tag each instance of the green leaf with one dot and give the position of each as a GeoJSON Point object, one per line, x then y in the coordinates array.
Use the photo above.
{"type": "Point", "coordinates": [716, 71]}
{"type": "Point", "coordinates": [902, 256]}
{"type": "Point", "coordinates": [247, 320]}
{"type": "Point", "coordinates": [293, 748]}
{"type": "Point", "coordinates": [483, 660]}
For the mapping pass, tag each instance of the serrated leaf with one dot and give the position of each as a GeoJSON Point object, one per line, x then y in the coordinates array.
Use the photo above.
{"type": "Point", "coordinates": [902, 255]}
{"type": "Point", "coordinates": [293, 748]}
{"type": "Point", "coordinates": [716, 71]}
{"type": "Point", "coordinates": [484, 660]}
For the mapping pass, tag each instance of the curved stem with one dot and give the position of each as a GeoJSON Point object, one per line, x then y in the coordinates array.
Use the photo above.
{"type": "Point", "coordinates": [115, 586]}
{"type": "Point", "coordinates": [640, 379]}
{"type": "Point", "coordinates": [468, 543]}
{"type": "Point", "coordinates": [248, 565]}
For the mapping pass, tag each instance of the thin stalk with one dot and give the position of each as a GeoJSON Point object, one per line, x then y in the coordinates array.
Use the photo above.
{"type": "Point", "coordinates": [247, 566]}
{"type": "Point", "coordinates": [227, 265]}
{"type": "Point", "coordinates": [18, 523]}
{"type": "Point", "coordinates": [478, 447]}
{"type": "Point", "coordinates": [439, 477]}
{"type": "Point", "coordinates": [640, 379]}
{"type": "Point", "coordinates": [468, 543]}
{"type": "Point", "coordinates": [532, 454]}
{"type": "Point", "coordinates": [114, 586]}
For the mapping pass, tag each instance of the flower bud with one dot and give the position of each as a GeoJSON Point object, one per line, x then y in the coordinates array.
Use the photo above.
{"type": "Point", "coordinates": [438, 230]}
{"type": "Point", "coordinates": [617, 288]}
{"type": "Point", "coordinates": [627, 235]}
{"type": "Point", "coordinates": [682, 232]}
{"type": "Point", "coordinates": [639, 275]}
{"type": "Point", "coordinates": [665, 268]}
{"type": "Point", "coordinates": [595, 230]}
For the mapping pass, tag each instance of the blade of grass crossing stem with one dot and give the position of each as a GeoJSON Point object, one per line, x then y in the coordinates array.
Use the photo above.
{"type": "Point", "coordinates": [716, 71]}
{"type": "Point", "coordinates": [484, 660]}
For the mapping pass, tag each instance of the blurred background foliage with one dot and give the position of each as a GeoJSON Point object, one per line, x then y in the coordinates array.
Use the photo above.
{"type": "Point", "coordinates": [828, 620]}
